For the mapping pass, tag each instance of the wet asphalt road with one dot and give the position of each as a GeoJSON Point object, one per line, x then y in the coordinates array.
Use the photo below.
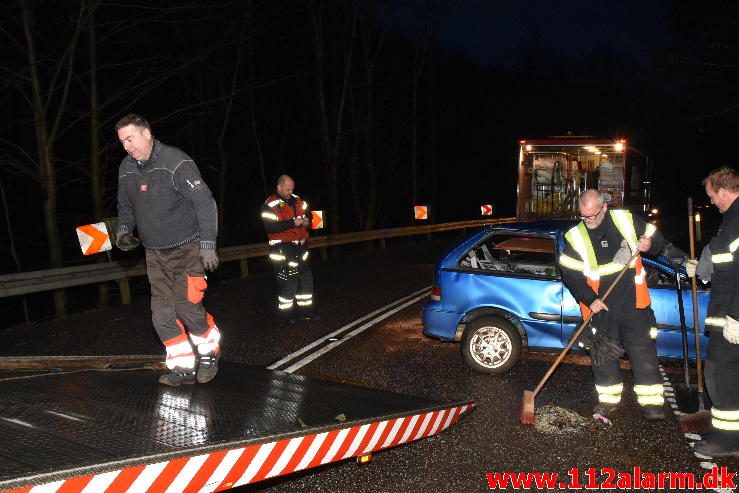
{"type": "Point", "coordinates": [394, 355]}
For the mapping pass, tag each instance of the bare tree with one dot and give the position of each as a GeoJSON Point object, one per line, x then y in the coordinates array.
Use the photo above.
{"type": "Point", "coordinates": [331, 138]}
{"type": "Point", "coordinates": [419, 59]}
{"type": "Point", "coordinates": [228, 107]}
{"type": "Point", "coordinates": [371, 54]}
{"type": "Point", "coordinates": [47, 95]}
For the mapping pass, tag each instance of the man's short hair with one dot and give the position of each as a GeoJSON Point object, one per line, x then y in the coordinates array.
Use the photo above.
{"type": "Point", "coordinates": [284, 178]}
{"type": "Point", "coordinates": [591, 195]}
{"type": "Point", "coordinates": [723, 177]}
{"type": "Point", "coordinates": [132, 119]}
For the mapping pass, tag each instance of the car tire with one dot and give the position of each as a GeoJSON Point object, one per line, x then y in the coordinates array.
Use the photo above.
{"type": "Point", "coordinates": [491, 344]}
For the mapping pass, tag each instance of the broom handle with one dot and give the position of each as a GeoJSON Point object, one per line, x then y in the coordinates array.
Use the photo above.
{"type": "Point", "coordinates": [694, 287]}
{"type": "Point", "coordinates": [582, 327]}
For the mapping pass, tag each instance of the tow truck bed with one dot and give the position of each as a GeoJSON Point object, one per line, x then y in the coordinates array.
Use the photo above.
{"type": "Point", "coordinates": [121, 431]}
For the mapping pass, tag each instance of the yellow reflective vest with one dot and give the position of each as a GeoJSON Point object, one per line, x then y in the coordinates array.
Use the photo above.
{"type": "Point", "coordinates": [580, 240]}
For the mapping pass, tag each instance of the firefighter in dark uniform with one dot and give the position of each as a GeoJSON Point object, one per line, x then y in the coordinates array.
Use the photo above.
{"type": "Point", "coordinates": [595, 251]}
{"type": "Point", "coordinates": [286, 220]}
{"type": "Point", "coordinates": [162, 195]}
{"type": "Point", "coordinates": [722, 321]}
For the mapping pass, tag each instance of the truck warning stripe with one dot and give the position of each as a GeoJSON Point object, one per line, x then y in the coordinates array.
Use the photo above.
{"type": "Point", "coordinates": [238, 468]}
{"type": "Point", "coordinates": [371, 431]}
{"type": "Point", "coordinates": [225, 469]}
{"type": "Point", "coordinates": [299, 454]}
{"type": "Point", "coordinates": [75, 484]}
{"type": "Point", "coordinates": [270, 461]}
{"type": "Point", "coordinates": [168, 474]}
{"type": "Point", "coordinates": [377, 436]}
{"type": "Point", "coordinates": [205, 472]}
{"type": "Point", "coordinates": [327, 442]}
{"type": "Point", "coordinates": [125, 479]}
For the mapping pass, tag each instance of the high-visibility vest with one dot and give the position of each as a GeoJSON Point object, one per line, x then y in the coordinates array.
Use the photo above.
{"type": "Point", "coordinates": [580, 240]}
{"type": "Point", "coordinates": [279, 210]}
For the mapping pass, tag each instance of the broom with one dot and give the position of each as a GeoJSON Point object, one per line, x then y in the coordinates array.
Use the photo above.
{"type": "Point", "coordinates": [527, 415]}
{"type": "Point", "coordinates": [699, 421]}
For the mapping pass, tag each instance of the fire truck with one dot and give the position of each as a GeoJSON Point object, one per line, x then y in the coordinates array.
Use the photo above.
{"type": "Point", "coordinates": [552, 172]}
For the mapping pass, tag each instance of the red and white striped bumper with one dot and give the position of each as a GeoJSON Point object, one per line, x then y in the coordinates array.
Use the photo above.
{"type": "Point", "coordinates": [222, 470]}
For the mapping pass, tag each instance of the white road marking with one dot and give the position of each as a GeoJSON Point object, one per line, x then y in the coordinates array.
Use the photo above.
{"type": "Point", "coordinates": [332, 337]}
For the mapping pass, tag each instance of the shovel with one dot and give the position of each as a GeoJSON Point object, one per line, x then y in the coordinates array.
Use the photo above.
{"type": "Point", "coordinates": [700, 420]}
{"type": "Point", "coordinates": [685, 394]}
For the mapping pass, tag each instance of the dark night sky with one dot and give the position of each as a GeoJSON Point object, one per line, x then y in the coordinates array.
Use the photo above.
{"type": "Point", "coordinates": [498, 32]}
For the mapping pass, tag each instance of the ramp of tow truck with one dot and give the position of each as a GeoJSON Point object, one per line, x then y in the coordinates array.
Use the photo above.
{"type": "Point", "coordinates": [121, 431]}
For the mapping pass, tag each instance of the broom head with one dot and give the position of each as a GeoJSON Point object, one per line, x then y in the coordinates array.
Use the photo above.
{"type": "Point", "coordinates": [528, 410]}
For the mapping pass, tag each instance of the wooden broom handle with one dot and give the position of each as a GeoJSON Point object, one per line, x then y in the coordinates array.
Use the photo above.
{"type": "Point", "coordinates": [582, 326]}
{"type": "Point", "coordinates": [694, 288]}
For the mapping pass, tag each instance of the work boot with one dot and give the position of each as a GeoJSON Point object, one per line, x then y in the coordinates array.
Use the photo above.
{"type": "Point", "coordinates": [177, 377]}
{"type": "Point", "coordinates": [208, 367]}
{"type": "Point", "coordinates": [653, 413]}
{"type": "Point", "coordinates": [605, 409]}
{"type": "Point", "coordinates": [712, 447]}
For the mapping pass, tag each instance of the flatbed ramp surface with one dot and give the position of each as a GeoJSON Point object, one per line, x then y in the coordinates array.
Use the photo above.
{"type": "Point", "coordinates": [121, 431]}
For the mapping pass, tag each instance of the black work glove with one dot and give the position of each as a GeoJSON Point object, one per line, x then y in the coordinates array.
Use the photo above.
{"type": "Point", "coordinates": [604, 350]}
{"type": "Point", "coordinates": [127, 242]}
{"type": "Point", "coordinates": [601, 348]}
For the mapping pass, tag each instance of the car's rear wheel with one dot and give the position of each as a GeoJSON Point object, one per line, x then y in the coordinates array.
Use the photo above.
{"type": "Point", "coordinates": [491, 344]}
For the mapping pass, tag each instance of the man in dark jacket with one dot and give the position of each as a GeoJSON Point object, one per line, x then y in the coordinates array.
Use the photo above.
{"type": "Point", "coordinates": [595, 251]}
{"type": "Point", "coordinates": [722, 321]}
{"type": "Point", "coordinates": [162, 195]}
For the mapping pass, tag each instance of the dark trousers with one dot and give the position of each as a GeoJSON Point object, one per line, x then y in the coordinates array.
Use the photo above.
{"type": "Point", "coordinates": [294, 279]}
{"type": "Point", "coordinates": [178, 285]}
{"type": "Point", "coordinates": [632, 327]}
{"type": "Point", "coordinates": [722, 384]}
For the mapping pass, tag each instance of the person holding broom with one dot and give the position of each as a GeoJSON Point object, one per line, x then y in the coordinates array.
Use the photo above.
{"type": "Point", "coordinates": [722, 321]}
{"type": "Point", "coordinates": [595, 252]}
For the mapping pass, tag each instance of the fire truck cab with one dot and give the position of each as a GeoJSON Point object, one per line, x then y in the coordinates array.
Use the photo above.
{"type": "Point", "coordinates": [552, 172]}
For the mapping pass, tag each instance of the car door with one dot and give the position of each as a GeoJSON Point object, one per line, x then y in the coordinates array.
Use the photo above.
{"type": "Point", "coordinates": [514, 272]}
{"type": "Point", "coordinates": [664, 294]}
{"type": "Point", "coordinates": [571, 314]}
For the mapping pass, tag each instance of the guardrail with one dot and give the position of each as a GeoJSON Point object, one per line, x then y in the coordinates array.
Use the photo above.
{"type": "Point", "coordinates": [80, 275]}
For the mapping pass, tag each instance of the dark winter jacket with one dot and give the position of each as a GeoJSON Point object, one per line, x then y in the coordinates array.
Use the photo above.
{"type": "Point", "coordinates": [725, 262]}
{"type": "Point", "coordinates": [166, 200]}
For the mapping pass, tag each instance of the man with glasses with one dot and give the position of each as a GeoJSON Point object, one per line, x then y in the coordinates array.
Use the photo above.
{"type": "Point", "coordinates": [595, 252]}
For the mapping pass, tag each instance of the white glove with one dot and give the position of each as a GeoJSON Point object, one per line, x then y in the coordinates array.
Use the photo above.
{"type": "Point", "coordinates": [731, 331]}
{"type": "Point", "coordinates": [690, 267]}
{"type": "Point", "coordinates": [623, 255]}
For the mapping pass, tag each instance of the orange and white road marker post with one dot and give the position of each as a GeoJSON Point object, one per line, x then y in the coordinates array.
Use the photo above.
{"type": "Point", "coordinates": [94, 238]}
{"type": "Point", "coordinates": [421, 212]}
{"type": "Point", "coordinates": [317, 220]}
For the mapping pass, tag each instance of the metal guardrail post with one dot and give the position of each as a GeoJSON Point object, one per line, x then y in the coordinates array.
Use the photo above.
{"type": "Point", "coordinates": [125, 291]}
{"type": "Point", "coordinates": [244, 264]}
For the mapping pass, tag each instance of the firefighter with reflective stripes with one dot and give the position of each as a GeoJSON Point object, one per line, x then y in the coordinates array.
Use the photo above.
{"type": "Point", "coordinates": [595, 251]}
{"type": "Point", "coordinates": [286, 220]}
{"type": "Point", "coordinates": [722, 321]}
{"type": "Point", "coordinates": [162, 195]}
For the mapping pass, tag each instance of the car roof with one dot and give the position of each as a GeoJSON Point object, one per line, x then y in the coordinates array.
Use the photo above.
{"type": "Point", "coordinates": [548, 226]}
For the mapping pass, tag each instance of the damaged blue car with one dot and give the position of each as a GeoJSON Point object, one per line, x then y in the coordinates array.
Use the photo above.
{"type": "Point", "coordinates": [500, 290]}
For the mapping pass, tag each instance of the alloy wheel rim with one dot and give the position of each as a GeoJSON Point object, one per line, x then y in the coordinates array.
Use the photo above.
{"type": "Point", "coordinates": [491, 347]}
